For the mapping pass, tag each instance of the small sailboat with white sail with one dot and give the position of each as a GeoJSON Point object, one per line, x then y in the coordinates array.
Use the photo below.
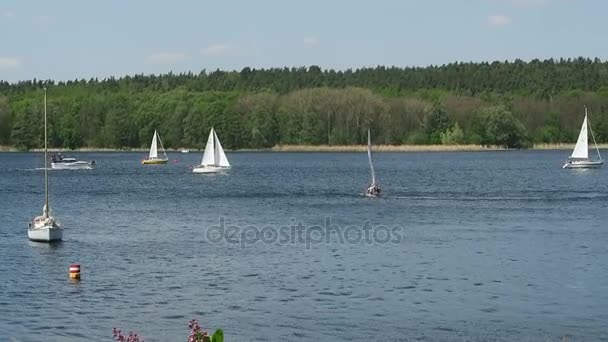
{"type": "Point", "coordinates": [580, 156]}
{"type": "Point", "coordinates": [214, 158]}
{"type": "Point", "coordinates": [45, 228]}
{"type": "Point", "coordinates": [153, 157]}
{"type": "Point", "coordinates": [373, 190]}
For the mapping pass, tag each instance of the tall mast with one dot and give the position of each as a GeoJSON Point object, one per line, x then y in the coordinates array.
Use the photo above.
{"type": "Point", "coordinates": [216, 152]}
{"type": "Point", "coordinates": [46, 175]}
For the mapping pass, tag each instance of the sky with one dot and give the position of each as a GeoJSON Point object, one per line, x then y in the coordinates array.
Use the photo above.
{"type": "Point", "coordinates": [69, 39]}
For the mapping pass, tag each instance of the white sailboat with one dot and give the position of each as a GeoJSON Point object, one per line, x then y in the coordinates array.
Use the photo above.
{"type": "Point", "coordinates": [373, 190]}
{"type": "Point", "coordinates": [153, 157]}
{"type": "Point", "coordinates": [45, 228]}
{"type": "Point", "coordinates": [580, 156]}
{"type": "Point", "coordinates": [214, 158]}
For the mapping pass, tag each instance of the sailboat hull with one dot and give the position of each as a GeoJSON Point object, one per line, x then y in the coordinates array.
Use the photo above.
{"type": "Point", "coordinates": [583, 164]}
{"type": "Point", "coordinates": [209, 169]}
{"type": "Point", "coordinates": [45, 234]}
{"type": "Point", "coordinates": [154, 161]}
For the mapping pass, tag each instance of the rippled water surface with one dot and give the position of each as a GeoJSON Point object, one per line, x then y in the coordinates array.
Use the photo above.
{"type": "Point", "coordinates": [492, 246]}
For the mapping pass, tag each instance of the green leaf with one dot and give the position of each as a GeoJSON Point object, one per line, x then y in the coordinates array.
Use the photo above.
{"type": "Point", "coordinates": [218, 336]}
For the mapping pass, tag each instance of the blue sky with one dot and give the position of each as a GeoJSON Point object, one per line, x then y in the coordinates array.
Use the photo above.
{"type": "Point", "coordinates": [82, 39]}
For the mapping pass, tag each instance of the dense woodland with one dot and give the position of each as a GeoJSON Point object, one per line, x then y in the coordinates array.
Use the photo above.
{"type": "Point", "coordinates": [512, 104]}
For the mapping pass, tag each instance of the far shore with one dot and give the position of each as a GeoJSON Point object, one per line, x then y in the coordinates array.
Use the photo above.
{"type": "Point", "coordinates": [327, 148]}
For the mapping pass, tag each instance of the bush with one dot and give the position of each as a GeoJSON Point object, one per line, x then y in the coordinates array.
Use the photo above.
{"type": "Point", "coordinates": [416, 138]}
{"type": "Point", "coordinates": [197, 334]}
{"type": "Point", "coordinates": [436, 122]}
{"type": "Point", "coordinates": [497, 126]}
{"type": "Point", "coordinates": [453, 136]}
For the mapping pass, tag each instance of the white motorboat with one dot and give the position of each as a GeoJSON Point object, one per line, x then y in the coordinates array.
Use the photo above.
{"type": "Point", "coordinates": [59, 162]}
{"type": "Point", "coordinates": [580, 156]}
{"type": "Point", "coordinates": [214, 158]}
{"type": "Point", "coordinates": [373, 190]}
{"type": "Point", "coordinates": [45, 228]}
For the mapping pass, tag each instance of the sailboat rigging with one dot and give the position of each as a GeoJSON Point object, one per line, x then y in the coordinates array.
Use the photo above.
{"type": "Point", "coordinates": [45, 228]}
{"type": "Point", "coordinates": [214, 159]}
{"type": "Point", "coordinates": [579, 158]}
{"type": "Point", "coordinates": [373, 190]}
{"type": "Point", "coordinates": [153, 157]}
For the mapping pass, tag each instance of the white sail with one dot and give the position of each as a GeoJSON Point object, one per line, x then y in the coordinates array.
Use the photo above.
{"type": "Point", "coordinates": [369, 156]}
{"type": "Point", "coordinates": [209, 155]}
{"type": "Point", "coordinates": [220, 156]}
{"type": "Point", "coordinates": [153, 148]}
{"type": "Point", "coordinates": [581, 150]}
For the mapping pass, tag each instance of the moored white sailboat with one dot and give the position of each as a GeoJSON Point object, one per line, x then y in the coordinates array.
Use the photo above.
{"type": "Point", "coordinates": [373, 190]}
{"type": "Point", "coordinates": [580, 156]}
{"type": "Point", "coordinates": [153, 157]}
{"type": "Point", "coordinates": [45, 228]}
{"type": "Point", "coordinates": [214, 158]}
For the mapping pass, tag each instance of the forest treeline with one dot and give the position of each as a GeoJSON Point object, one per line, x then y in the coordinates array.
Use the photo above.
{"type": "Point", "coordinates": [512, 104]}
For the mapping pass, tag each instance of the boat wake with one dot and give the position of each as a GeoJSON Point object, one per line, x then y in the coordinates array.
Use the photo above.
{"type": "Point", "coordinates": [33, 169]}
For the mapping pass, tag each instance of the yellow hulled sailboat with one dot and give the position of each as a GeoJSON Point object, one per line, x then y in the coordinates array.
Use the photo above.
{"type": "Point", "coordinates": [153, 157]}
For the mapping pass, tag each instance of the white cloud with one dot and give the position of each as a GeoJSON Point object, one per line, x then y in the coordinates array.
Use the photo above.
{"type": "Point", "coordinates": [218, 50]}
{"type": "Point", "coordinates": [165, 57]}
{"type": "Point", "coordinates": [499, 20]}
{"type": "Point", "coordinates": [311, 40]}
{"type": "Point", "coordinates": [8, 14]}
{"type": "Point", "coordinates": [8, 62]}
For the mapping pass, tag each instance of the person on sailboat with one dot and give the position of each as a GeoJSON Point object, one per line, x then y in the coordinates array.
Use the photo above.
{"type": "Point", "coordinates": [373, 190]}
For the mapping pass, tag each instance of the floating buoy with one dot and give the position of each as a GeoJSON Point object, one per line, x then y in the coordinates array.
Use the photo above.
{"type": "Point", "coordinates": [75, 271]}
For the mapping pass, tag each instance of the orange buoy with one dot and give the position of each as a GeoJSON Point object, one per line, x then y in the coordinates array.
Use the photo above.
{"type": "Point", "coordinates": [75, 271]}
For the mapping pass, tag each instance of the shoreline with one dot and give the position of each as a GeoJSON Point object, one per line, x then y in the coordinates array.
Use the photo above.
{"type": "Point", "coordinates": [328, 148]}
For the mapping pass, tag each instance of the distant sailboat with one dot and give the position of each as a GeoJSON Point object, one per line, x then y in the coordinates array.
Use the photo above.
{"type": "Point", "coordinates": [214, 158]}
{"type": "Point", "coordinates": [45, 228]}
{"type": "Point", "coordinates": [580, 156]}
{"type": "Point", "coordinates": [153, 156]}
{"type": "Point", "coordinates": [373, 190]}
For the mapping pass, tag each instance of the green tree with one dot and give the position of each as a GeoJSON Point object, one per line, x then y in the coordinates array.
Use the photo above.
{"type": "Point", "coordinates": [436, 122]}
{"type": "Point", "coordinates": [6, 121]}
{"type": "Point", "coordinates": [453, 135]}
{"type": "Point", "coordinates": [496, 125]}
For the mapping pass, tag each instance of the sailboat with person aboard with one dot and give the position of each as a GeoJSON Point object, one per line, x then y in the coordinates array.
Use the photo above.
{"type": "Point", "coordinates": [214, 158]}
{"type": "Point", "coordinates": [45, 228]}
{"type": "Point", "coordinates": [153, 157]}
{"type": "Point", "coordinates": [373, 190]}
{"type": "Point", "coordinates": [579, 159]}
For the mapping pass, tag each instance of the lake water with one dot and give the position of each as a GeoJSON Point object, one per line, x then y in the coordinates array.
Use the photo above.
{"type": "Point", "coordinates": [487, 246]}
